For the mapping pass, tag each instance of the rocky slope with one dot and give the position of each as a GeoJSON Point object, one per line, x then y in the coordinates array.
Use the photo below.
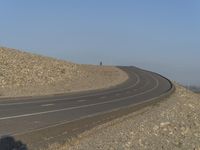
{"type": "Point", "coordinates": [171, 124]}
{"type": "Point", "coordinates": [25, 74]}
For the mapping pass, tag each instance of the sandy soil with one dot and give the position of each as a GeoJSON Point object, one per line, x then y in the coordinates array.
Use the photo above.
{"type": "Point", "coordinates": [171, 124]}
{"type": "Point", "coordinates": [25, 74]}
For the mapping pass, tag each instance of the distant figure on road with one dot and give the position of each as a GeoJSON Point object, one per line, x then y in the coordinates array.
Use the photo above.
{"type": "Point", "coordinates": [101, 63]}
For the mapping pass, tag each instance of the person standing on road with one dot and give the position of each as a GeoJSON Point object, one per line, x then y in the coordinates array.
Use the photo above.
{"type": "Point", "coordinates": [101, 64]}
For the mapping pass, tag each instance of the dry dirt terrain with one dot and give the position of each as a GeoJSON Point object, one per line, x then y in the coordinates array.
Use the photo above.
{"type": "Point", "coordinates": [172, 124]}
{"type": "Point", "coordinates": [25, 74]}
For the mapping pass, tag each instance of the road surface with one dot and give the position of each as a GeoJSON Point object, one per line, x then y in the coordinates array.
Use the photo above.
{"type": "Point", "coordinates": [38, 121]}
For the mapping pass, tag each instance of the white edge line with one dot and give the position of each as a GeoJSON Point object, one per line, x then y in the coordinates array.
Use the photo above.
{"type": "Point", "coordinates": [43, 101]}
{"type": "Point", "coordinates": [88, 116]}
{"type": "Point", "coordinates": [75, 107]}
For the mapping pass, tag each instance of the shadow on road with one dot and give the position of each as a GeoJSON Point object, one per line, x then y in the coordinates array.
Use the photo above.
{"type": "Point", "coordinates": [9, 143]}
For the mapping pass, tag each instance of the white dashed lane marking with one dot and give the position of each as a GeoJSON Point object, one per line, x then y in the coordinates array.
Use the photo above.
{"type": "Point", "coordinates": [82, 100]}
{"type": "Point", "coordinates": [46, 105]}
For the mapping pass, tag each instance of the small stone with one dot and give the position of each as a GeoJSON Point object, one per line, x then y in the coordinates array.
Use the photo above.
{"type": "Point", "coordinates": [165, 129]}
{"type": "Point", "coordinates": [190, 105]}
{"type": "Point", "coordinates": [164, 124]}
{"type": "Point", "coordinates": [140, 142]}
{"type": "Point", "coordinates": [155, 127]}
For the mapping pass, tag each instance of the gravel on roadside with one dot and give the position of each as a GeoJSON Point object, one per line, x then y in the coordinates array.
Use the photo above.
{"type": "Point", "coordinates": [172, 124]}
{"type": "Point", "coordinates": [26, 74]}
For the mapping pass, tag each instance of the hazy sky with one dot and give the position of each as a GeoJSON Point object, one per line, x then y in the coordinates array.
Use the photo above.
{"type": "Point", "coordinates": [160, 35]}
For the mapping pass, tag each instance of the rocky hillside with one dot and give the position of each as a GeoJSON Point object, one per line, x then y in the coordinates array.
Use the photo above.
{"type": "Point", "coordinates": [173, 124]}
{"type": "Point", "coordinates": [24, 74]}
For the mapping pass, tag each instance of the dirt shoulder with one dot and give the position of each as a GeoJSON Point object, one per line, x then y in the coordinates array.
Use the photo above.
{"type": "Point", "coordinates": [171, 124]}
{"type": "Point", "coordinates": [25, 74]}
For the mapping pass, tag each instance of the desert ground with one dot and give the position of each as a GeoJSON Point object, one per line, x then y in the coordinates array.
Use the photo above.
{"type": "Point", "coordinates": [26, 74]}
{"type": "Point", "coordinates": [173, 123]}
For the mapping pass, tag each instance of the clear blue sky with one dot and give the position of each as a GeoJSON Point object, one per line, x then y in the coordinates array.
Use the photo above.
{"type": "Point", "coordinates": [160, 35]}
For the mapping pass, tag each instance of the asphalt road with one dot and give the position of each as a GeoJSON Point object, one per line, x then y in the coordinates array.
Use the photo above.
{"type": "Point", "coordinates": [38, 121]}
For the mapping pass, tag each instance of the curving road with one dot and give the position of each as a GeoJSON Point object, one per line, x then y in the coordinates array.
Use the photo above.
{"type": "Point", "coordinates": [41, 120]}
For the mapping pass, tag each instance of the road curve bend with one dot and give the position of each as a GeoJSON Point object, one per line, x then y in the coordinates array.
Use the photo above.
{"type": "Point", "coordinates": [43, 120]}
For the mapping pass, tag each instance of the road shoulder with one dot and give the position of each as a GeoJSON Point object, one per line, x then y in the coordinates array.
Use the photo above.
{"type": "Point", "coordinates": [171, 124]}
